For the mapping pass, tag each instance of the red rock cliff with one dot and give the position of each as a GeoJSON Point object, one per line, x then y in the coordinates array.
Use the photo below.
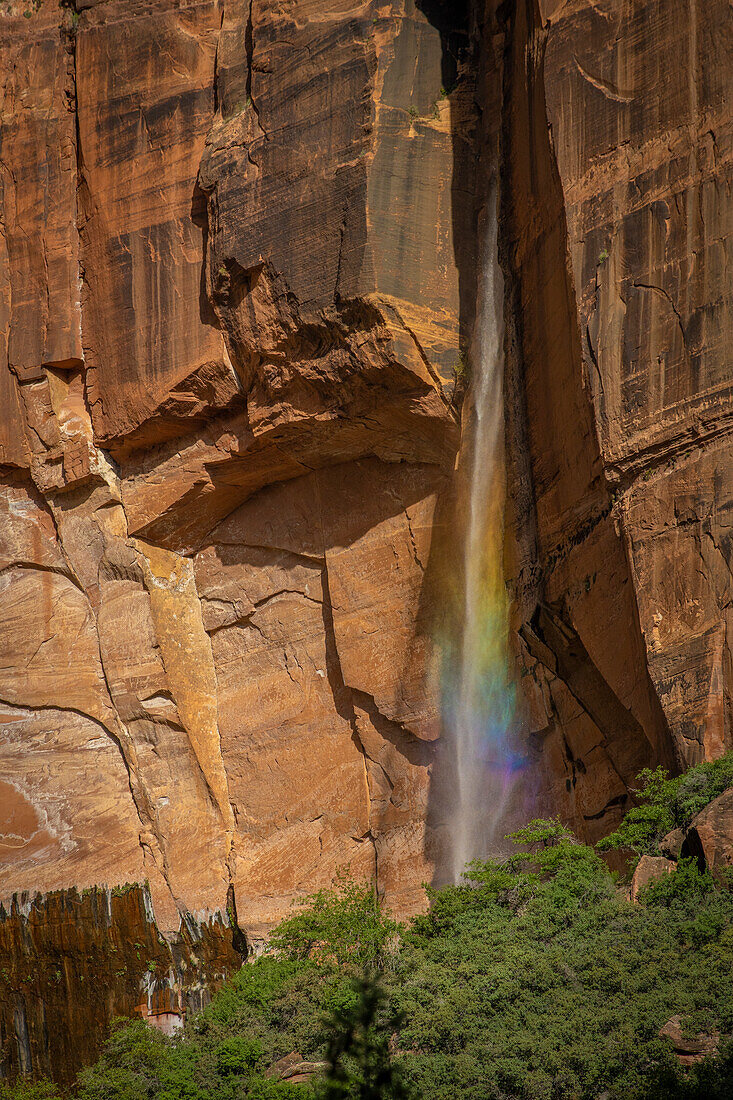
{"type": "Point", "coordinates": [617, 160]}
{"type": "Point", "coordinates": [231, 313]}
{"type": "Point", "coordinates": [237, 280]}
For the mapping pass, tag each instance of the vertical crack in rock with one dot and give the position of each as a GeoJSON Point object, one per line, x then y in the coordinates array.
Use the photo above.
{"type": "Point", "coordinates": [74, 107]}
{"type": "Point", "coordinates": [415, 553]}
{"type": "Point", "coordinates": [665, 294]}
{"type": "Point", "coordinates": [140, 797]}
{"type": "Point", "coordinates": [343, 704]}
{"type": "Point", "coordinates": [215, 83]}
{"type": "Point", "coordinates": [138, 792]}
{"type": "Point", "coordinates": [554, 643]}
{"type": "Point", "coordinates": [249, 48]}
{"type": "Point", "coordinates": [239, 937]}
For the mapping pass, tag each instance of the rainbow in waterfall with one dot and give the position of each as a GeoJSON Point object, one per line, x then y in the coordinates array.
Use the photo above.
{"type": "Point", "coordinates": [478, 696]}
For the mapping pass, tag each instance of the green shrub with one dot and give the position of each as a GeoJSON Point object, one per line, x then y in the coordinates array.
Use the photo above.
{"type": "Point", "coordinates": [666, 804]}
{"type": "Point", "coordinates": [535, 979]}
{"type": "Point", "coordinates": [360, 1066]}
{"type": "Point", "coordinates": [238, 1055]}
{"type": "Point", "coordinates": [462, 369]}
{"type": "Point", "coordinates": [345, 927]}
{"type": "Point", "coordinates": [132, 1067]}
{"type": "Point", "coordinates": [711, 1079]}
{"type": "Point", "coordinates": [29, 1090]}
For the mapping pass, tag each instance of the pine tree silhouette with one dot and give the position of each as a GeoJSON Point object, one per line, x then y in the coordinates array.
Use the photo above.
{"type": "Point", "coordinates": [358, 1053]}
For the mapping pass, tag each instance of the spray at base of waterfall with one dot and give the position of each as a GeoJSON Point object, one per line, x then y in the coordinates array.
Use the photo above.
{"type": "Point", "coordinates": [478, 696]}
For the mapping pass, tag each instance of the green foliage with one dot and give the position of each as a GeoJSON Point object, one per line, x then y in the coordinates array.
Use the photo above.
{"type": "Point", "coordinates": [666, 804]}
{"type": "Point", "coordinates": [540, 981]}
{"type": "Point", "coordinates": [238, 1055]}
{"type": "Point", "coordinates": [345, 927]}
{"type": "Point", "coordinates": [29, 1090]}
{"type": "Point", "coordinates": [686, 884]}
{"type": "Point", "coordinates": [711, 1079]}
{"type": "Point", "coordinates": [462, 369]}
{"type": "Point", "coordinates": [536, 979]}
{"type": "Point", "coordinates": [138, 1063]}
{"type": "Point", "coordinates": [132, 1066]}
{"type": "Point", "coordinates": [360, 1066]}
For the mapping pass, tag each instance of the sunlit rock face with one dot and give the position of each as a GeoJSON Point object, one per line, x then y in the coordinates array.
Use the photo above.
{"type": "Point", "coordinates": [237, 284]}
{"type": "Point", "coordinates": [230, 316]}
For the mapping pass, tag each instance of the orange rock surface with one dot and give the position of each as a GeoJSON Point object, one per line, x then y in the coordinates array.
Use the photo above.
{"type": "Point", "coordinates": [238, 269]}
{"type": "Point", "coordinates": [228, 348]}
{"type": "Point", "coordinates": [618, 158]}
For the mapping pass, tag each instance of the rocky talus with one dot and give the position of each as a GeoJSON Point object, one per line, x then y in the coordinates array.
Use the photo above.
{"type": "Point", "coordinates": [238, 254]}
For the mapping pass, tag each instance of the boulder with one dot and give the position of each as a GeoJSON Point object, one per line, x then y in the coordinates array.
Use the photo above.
{"type": "Point", "coordinates": [688, 1049]}
{"type": "Point", "coordinates": [671, 844]}
{"type": "Point", "coordinates": [710, 835]}
{"type": "Point", "coordinates": [648, 870]}
{"type": "Point", "coordinates": [294, 1069]}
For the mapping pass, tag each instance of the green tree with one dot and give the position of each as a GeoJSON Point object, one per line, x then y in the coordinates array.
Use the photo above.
{"type": "Point", "coordinates": [345, 927]}
{"type": "Point", "coordinates": [360, 1066]}
{"type": "Point", "coordinates": [666, 804]}
{"type": "Point", "coordinates": [534, 979]}
{"type": "Point", "coordinates": [131, 1067]}
{"type": "Point", "coordinates": [29, 1090]}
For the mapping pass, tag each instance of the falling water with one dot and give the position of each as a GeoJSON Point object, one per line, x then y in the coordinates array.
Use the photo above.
{"type": "Point", "coordinates": [480, 704]}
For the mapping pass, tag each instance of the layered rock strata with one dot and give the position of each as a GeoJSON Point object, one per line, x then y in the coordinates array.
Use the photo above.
{"type": "Point", "coordinates": [237, 279]}
{"type": "Point", "coordinates": [617, 164]}
{"type": "Point", "coordinates": [230, 316]}
{"type": "Point", "coordinates": [72, 962]}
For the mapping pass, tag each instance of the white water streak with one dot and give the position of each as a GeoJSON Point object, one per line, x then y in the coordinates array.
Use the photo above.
{"type": "Point", "coordinates": [470, 826]}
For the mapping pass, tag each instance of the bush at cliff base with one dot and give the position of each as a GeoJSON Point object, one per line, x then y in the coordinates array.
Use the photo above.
{"type": "Point", "coordinates": [665, 804]}
{"type": "Point", "coordinates": [535, 980]}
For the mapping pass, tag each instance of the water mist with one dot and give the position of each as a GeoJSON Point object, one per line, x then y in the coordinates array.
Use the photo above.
{"type": "Point", "coordinates": [479, 696]}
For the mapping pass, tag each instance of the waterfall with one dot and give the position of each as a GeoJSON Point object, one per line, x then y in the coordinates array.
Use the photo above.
{"type": "Point", "coordinates": [480, 697]}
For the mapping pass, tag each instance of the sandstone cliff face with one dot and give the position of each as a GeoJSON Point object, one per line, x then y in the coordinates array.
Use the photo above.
{"type": "Point", "coordinates": [231, 313]}
{"type": "Point", "coordinates": [237, 279]}
{"type": "Point", "coordinates": [616, 202]}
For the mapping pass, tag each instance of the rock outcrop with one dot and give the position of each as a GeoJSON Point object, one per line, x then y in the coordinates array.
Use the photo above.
{"type": "Point", "coordinates": [73, 961]}
{"type": "Point", "coordinates": [649, 870]}
{"type": "Point", "coordinates": [709, 838]}
{"type": "Point", "coordinates": [688, 1049]}
{"type": "Point", "coordinates": [617, 166]}
{"type": "Point", "coordinates": [237, 280]}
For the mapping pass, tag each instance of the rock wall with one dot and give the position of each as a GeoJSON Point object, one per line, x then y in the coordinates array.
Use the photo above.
{"type": "Point", "coordinates": [237, 280]}
{"type": "Point", "coordinates": [72, 962]}
{"type": "Point", "coordinates": [231, 310]}
{"type": "Point", "coordinates": [617, 165]}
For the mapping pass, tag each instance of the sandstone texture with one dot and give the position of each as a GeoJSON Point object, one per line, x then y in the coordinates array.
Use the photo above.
{"type": "Point", "coordinates": [231, 310]}
{"type": "Point", "coordinates": [688, 1049]}
{"type": "Point", "coordinates": [71, 962]}
{"type": "Point", "coordinates": [649, 870]}
{"type": "Point", "coordinates": [617, 167]}
{"type": "Point", "coordinates": [238, 269]}
{"type": "Point", "coordinates": [710, 836]}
